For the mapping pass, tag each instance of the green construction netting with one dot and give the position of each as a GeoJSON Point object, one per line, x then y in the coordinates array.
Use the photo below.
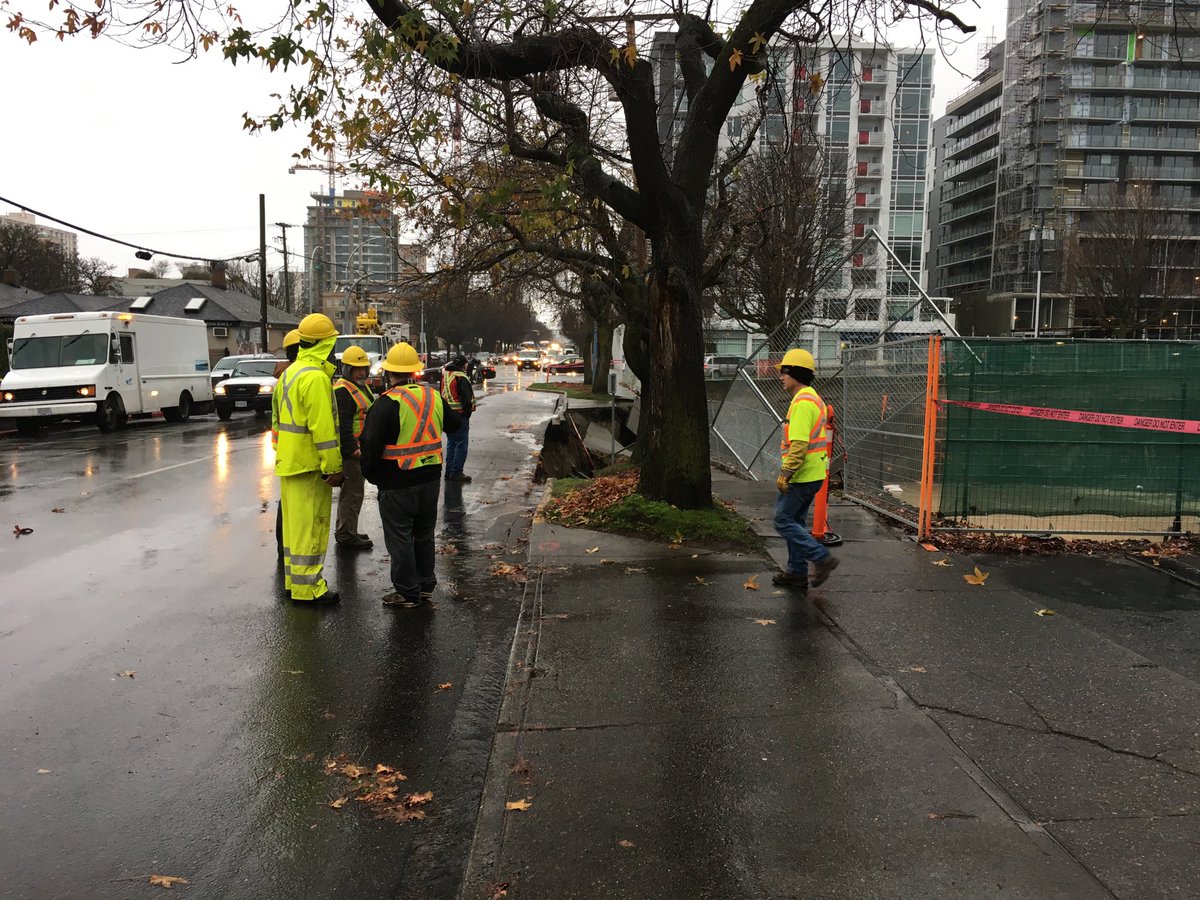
{"type": "Point", "coordinates": [991, 464]}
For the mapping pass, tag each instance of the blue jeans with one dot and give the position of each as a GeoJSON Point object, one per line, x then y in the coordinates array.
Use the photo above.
{"type": "Point", "coordinates": [456, 449]}
{"type": "Point", "coordinates": [791, 509]}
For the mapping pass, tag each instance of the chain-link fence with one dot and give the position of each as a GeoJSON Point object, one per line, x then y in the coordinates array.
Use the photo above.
{"type": "Point", "coordinates": [882, 419]}
{"type": "Point", "coordinates": [1039, 467]}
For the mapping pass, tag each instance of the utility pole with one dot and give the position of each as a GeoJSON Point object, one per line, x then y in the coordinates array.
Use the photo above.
{"type": "Point", "coordinates": [262, 264]}
{"type": "Point", "coordinates": [287, 281]}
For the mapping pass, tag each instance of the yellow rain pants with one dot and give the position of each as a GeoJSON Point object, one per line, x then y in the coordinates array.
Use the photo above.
{"type": "Point", "coordinates": [307, 505]}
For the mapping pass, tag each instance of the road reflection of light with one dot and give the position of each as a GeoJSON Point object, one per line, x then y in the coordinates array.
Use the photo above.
{"type": "Point", "coordinates": [268, 452]}
{"type": "Point", "coordinates": [222, 456]}
{"type": "Point", "coordinates": [157, 449]}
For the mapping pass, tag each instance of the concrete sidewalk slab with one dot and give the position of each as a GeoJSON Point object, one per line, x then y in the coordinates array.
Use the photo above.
{"type": "Point", "coordinates": [1080, 730]}
{"type": "Point", "coordinates": [738, 746]}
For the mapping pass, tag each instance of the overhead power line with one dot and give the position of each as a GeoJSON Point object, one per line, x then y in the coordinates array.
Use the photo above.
{"type": "Point", "coordinates": [140, 248]}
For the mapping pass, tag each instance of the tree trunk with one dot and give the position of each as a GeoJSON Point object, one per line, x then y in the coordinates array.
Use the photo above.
{"type": "Point", "coordinates": [600, 365]}
{"type": "Point", "coordinates": [675, 459]}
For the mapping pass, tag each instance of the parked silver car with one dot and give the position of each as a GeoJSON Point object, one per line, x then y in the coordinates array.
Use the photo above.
{"type": "Point", "coordinates": [722, 366]}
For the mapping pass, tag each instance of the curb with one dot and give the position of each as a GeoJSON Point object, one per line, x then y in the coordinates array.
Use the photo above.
{"type": "Point", "coordinates": [1181, 572]}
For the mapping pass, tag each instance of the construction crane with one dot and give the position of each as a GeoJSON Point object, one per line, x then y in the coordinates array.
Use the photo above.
{"type": "Point", "coordinates": [330, 166]}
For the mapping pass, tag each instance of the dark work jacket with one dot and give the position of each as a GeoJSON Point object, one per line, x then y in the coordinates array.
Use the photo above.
{"type": "Point", "coordinates": [382, 428]}
{"type": "Point", "coordinates": [464, 393]}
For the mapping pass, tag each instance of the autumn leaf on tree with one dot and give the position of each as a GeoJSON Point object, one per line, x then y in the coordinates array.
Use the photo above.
{"type": "Point", "coordinates": [976, 578]}
{"type": "Point", "coordinates": [735, 59]}
{"type": "Point", "coordinates": [521, 805]}
{"type": "Point", "coordinates": [630, 53]}
{"type": "Point", "coordinates": [751, 583]}
{"type": "Point", "coordinates": [816, 81]}
{"type": "Point", "coordinates": [614, 55]}
{"type": "Point", "coordinates": [757, 42]}
{"type": "Point", "coordinates": [166, 881]}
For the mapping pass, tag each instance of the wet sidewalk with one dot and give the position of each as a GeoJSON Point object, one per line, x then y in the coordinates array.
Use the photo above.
{"type": "Point", "coordinates": [667, 732]}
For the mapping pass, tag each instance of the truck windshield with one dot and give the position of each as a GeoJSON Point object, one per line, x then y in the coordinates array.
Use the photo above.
{"type": "Point", "coordinates": [370, 343]}
{"type": "Point", "coordinates": [255, 367]}
{"type": "Point", "coordinates": [60, 350]}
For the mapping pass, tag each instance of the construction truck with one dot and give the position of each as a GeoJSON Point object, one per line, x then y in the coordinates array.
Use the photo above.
{"type": "Point", "coordinates": [368, 323]}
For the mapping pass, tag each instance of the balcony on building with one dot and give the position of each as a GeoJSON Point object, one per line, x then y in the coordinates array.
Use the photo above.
{"type": "Point", "coordinates": [972, 164]}
{"type": "Point", "coordinates": [991, 109]}
{"type": "Point", "coordinates": [967, 144]}
{"type": "Point", "coordinates": [866, 170]}
{"type": "Point", "coordinates": [864, 200]}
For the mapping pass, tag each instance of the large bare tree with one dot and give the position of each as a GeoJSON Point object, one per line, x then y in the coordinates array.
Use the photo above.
{"type": "Point", "coordinates": [1130, 261]}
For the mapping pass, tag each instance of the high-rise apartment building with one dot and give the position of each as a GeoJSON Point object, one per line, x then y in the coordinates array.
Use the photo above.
{"type": "Point", "coordinates": [352, 249]}
{"type": "Point", "coordinates": [1100, 105]}
{"type": "Point", "coordinates": [963, 198]}
{"type": "Point", "coordinates": [868, 108]}
{"type": "Point", "coordinates": [67, 241]}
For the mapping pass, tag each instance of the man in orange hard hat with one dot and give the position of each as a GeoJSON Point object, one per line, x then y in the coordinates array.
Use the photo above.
{"type": "Point", "coordinates": [805, 449]}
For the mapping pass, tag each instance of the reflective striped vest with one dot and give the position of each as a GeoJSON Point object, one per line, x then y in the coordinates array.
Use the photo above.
{"type": "Point", "coordinates": [362, 397]}
{"type": "Point", "coordinates": [818, 438]}
{"type": "Point", "coordinates": [449, 395]}
{"type": "Point", "coordinates": [419, 438]}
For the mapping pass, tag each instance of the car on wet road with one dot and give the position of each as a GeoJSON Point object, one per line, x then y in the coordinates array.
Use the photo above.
{"type": "Point", "coordinates": [223, 368]}
{"type": "Point", "coordinates": [248, 387]}
{"type": "Point", "coordinates": [568, 364]}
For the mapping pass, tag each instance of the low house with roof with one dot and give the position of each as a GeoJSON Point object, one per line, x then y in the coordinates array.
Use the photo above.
{"type": "Point", "coordinates": [231, 316]}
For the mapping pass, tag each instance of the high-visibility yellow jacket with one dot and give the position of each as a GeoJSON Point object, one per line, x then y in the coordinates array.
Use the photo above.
{"type": "Point", "coordinates": [304, 422]}
{"type": "Point", "coordinates": [805, 445]}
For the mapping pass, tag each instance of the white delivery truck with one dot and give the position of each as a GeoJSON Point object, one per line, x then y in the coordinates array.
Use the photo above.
{"type": "Point", "coordinates": [106, 367]}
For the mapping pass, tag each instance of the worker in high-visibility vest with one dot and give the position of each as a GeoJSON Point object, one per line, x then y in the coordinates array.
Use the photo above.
{"type": "Point", "coordinates": [353, 398]}
{"type": "Point", "coordinates": [291, 346]}
{"type": "Point", "coordinates": [459, 396]}
{"type": "Point", "coordinates": [307, 460]}
{"type": "Point", "coordinates": [805, 449]}
{"type": "Point", "coordinates": [401, 447]}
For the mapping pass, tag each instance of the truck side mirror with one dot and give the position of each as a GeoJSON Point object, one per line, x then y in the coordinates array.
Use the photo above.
{"type": "Point", "coordinates": [114, 350]}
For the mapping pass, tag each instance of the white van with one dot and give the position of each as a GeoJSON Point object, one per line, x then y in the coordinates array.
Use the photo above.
{"type": "Point", "coordinates": [105, 366]}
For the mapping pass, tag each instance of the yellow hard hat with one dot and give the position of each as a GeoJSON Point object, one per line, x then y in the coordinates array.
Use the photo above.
{"type": "Point", "coordinates": [316, 327]}
{"type": "Point", "coordinates": [402, 358]}
{"type": "Point", "coordinates": [800, 358]}
{"type": "Point", "coordinates": [355, 356]}
{"type": "Point", "coordinates": [291, 338]}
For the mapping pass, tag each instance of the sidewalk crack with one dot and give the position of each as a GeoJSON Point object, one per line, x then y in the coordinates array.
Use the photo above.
{"type": "Point", "coordinates": [1057, 732]}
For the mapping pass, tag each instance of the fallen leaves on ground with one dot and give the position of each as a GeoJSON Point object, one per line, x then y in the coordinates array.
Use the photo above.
{"type": "Point", "coordinates": [1044, 612]}
{"type": "Point", "coordinates": [978, 542]}
{"type": "Point", "coordinates": [167, 881]}
{"type": "Point", "coordinates": [607, 562]}
{"type": "Point", "coordinates": [751, 583]}
{"type": "Point", "coordinates": [18, 531]}
{"type": "Point", "coordinates": [128, 673]}
{"type": "Point", "coordinates": [951, 814]}
{"type": "Point", "coordinates": [764, 622]}
{"type": "Point", "coordinates": [625, 844]}
{"type": "Point", "coordinates": [634, 570]}
{"type": "Point", "coordinates": [700, 580]}
{"type": "Point", "coordinates": [446, 550]}
{"type": "Point", "coordinates": [556, 616]}
{"type": "Point", "coordinates": [913, 669]}
{"type": "Point", "coordinates": [44, 772]}
{"type": "Point", "coordinates": [445, 686]}
{"type": "Point", "coordinates": [513, 572]}
{"type": "Point", "coordinates": [944, 563]}
{"type": "Point", "coordinates": [577, 507]}
{"type": "Point", "coordinates": [58, 509]}
{"type": "Point", "coordinates": [497, 889]}
{"type": "Point", "coordinates": [592, 550]}
{"type": "Point", "coordinates": [378, 789]}
{"type": "Point", "coordinates": [520, 805]}
{"type": "Point", "coordinates": [978, 577]}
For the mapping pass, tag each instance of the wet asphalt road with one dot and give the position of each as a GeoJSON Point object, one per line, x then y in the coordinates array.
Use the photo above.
{"type": "Point", "coordinates": [207, 762]}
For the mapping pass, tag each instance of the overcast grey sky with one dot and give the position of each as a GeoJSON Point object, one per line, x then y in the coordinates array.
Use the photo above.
{"type": "Point", "coordinates": [130, 143]}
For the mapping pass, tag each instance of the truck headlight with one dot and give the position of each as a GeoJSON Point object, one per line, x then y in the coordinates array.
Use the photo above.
{"type": "Point", "coordinates": [265, 388]}
{"type": "Point", "coordinates": [219, 389]}
{"type": "Point", "coordinates": [88, 390]}
{"type": "Point", "coordinates": [7, 396]}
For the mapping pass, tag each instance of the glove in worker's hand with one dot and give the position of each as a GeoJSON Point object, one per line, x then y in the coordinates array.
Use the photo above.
{"type": "Point", "coordinates": [783, 481]}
